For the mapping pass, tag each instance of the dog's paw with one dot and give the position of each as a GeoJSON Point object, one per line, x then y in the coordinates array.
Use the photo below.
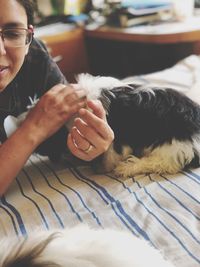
{"type": "Point", "coordinates": [132, 159]}
{"type": "Point", "coordinates": [130, 167]}
{"type": "Point", "coordinates": [124, 170]}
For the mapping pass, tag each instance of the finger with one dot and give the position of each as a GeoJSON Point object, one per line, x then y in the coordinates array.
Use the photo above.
{"type": "Point", "coordinates": [79, 140]}
{"type": "Point", "coordinates": [76, 86]}
{"type": "Point", "coordinates": [73, 108]}
{"type": "Point", "coordinates": [77, 152]}
{"type": "Point", "coordinates": [67, 91]}
{"type": "Point", "coordinates": [61, 89]}
{"type": "Point", "coordinates": [97, 108]}
{"type": "Point", "coordinates": [88, 132]}
{"type": "Point", "coordinates": [98, 124]}
{"type": "Point", "coordinates": [56, 88]}
{"type": "Point", "coordinates": [70, 92]}
{"type": "Point", "coordinates": [93, 136]}
{"type": "Point", "coordinates": [70, 100]}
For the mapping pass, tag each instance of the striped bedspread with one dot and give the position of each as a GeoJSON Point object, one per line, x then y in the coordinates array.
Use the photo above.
{"type": "Point", "coordinates": [163, 209]}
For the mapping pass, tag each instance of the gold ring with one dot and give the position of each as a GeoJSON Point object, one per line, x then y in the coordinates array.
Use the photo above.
{"type": "Point", "coordinates": [87, 150]}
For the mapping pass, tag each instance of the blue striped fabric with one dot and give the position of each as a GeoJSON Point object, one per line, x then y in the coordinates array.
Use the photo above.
{"type": "Point", "coordinates": [163, 209]}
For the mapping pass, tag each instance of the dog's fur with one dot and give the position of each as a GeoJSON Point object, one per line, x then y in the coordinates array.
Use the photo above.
{"type": "Point", "coordinates": [157, 130]}
{"type": "Point", "coordinates": [79, 247]}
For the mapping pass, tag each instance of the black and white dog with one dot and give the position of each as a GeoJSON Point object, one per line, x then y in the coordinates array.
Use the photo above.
{"type": "Point", "coordinates": [157, 130]}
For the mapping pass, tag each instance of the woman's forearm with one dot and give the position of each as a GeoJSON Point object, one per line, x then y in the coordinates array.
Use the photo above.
{"type": "Point", "coordinates": [13, 155]}
{"type": "Point", "coordinates": [53, 110]}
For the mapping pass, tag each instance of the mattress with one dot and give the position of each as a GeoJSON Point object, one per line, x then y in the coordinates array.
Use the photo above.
{"type": "Point", "coordinates": [163, 209]}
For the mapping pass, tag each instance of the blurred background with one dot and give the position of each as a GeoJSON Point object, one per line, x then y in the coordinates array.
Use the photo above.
{"type": "Point", "coordinates": [109, 8]}
{"type": "Point", "coordinates": [118, 38]}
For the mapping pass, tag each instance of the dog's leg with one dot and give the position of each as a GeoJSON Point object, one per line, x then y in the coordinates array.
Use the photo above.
{"type": "Point", "coordinates": [150, 164]}
{"type": "Point", "coordinates": [110, 159]}
{"type": "Point", "coordinates": [169, 158]}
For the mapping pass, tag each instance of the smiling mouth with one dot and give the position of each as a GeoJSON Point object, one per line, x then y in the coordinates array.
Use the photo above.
{"type": "Point", "coordinates": [3, 68]}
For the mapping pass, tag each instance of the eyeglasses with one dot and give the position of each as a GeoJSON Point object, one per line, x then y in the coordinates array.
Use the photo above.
{"type": "Point", "coordinates": [16, 37]}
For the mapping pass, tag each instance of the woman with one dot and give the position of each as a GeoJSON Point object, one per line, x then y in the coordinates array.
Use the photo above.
{"type": "Point", "coordinates": [27, 71]}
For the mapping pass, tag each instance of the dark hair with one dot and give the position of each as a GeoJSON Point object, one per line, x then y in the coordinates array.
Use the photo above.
{"type": "Point", "coordinates": [29, 6]}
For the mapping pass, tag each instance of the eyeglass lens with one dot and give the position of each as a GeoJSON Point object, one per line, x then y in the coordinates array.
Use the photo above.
{"type": "Point", "coordinates": [16, 37]}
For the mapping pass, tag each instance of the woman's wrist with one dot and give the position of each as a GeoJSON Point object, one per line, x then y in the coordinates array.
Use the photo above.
{"type": "Point", "coordinates": [31, 134]}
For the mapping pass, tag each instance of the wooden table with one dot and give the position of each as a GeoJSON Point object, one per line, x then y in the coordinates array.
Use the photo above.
{"type": "Point", "coordinates": [142, 49]}
{"type": "Point", "coordinates": [163, 33]}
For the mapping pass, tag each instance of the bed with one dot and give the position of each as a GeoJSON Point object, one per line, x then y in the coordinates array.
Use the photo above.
{"type": "Point", "coordinates": [163, 209]}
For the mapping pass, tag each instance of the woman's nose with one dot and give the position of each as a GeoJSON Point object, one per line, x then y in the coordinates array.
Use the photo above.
{"type": "Point", "coordinates": [2, 47]}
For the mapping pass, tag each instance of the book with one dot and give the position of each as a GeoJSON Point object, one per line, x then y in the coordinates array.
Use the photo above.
{"type": "Point", "coordinates": [138, 8]}
{"type": "Point", "coordinates": [141, 4]}
{"type": "Point", "coordinates": [135, 12]}
{"type": "Point", "coordinates": [125, 21]}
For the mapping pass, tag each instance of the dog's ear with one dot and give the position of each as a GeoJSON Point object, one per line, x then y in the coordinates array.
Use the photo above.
{"type": "Point", "coordinates": [29, 256]}
{"type": "Point", "coordinates": [106, 98]}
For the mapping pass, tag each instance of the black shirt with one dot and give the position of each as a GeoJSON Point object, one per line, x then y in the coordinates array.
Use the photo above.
{"type": "Point", "coordinates": [37, 75]}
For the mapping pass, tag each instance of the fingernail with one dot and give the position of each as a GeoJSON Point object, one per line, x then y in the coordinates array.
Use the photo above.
{"type": "Point", "coordinates": [82, 111]}
{"type": "Point", "coordinates": [76, 86]}
{"type": "Point", "coordinates": [81, 94]}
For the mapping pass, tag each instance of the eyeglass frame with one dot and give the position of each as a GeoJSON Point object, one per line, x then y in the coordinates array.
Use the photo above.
{"type": "Point", "coordinates": [28, 31]}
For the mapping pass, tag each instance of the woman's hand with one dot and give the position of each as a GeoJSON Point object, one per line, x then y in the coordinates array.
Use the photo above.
{"type": "Point", "coordinates": [50, 113]}
{"type": "Point", "coordinates": [53, 109]}
{"type": "Point", "coordinates": [91, 135]}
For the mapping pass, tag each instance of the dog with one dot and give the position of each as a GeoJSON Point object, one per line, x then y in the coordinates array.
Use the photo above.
{"type": "Point", "coordinates": [80, 246]}
{"type": "Point", "coordinates": [157, 130]}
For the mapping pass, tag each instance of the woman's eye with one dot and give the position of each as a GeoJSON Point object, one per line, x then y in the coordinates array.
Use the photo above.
{"type": "Point", "coordinates": [11, 35]}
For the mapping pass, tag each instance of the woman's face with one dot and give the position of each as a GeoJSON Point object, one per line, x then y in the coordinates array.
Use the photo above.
{"type": "Point", "coordinates": [12, 15]}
